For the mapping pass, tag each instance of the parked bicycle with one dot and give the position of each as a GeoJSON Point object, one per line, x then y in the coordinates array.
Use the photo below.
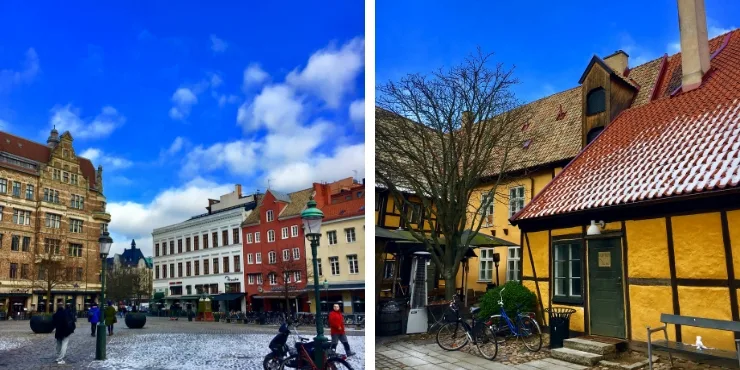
{"type": "Point", "coordinates": [455, 335]}
{"type": "Point", "coordinates": [302, 356]}
{"type": "Point", "coordinates": [524, 327]}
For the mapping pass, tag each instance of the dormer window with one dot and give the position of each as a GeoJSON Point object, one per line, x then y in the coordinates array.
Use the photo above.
{"type": "Point", "coordinates": [269, 216]}
{"type": "Point", "coordinates": [593, 134]}
{"type": "Point", "coordinates": [595, 101]}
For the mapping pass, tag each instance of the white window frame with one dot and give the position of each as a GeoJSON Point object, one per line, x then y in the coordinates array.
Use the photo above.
{"type": "Point", "coordinates": [286, 254]}
{"type": "Point", "coordinates": [270, 236]}
{"type": "Point", "coordinates": [485, 265]}
{"type": "Point", "coordinates": [269, 216]}
{"type": "Point", "coordinates": [258, 258]}
{"type": "Point", "coordinates": [296, 253]}
{"type": "Point", "coordinates": [257, 237]}
{"type": "Point", "coordinates": [259, 279]}
{"type": "Point", "coordinates": [515, 257]}
{"type": "Point", "coordinates": [334, 263]}
{"type": "Point", "coordinates": [297, 276]}
{"type": "Point", "coordinates": [516, 200]}
{"type": "Point", "coordinates": [350, 235]}
{"type": "Point", "coordinates": [332, 236]}
{"type": "Point", "coordinates": [272, 277]}
{"type": "Point", "coordinates": [353, 263]}
{"type": "Point", "coordinates": [318, 265]}
{"type": "Point", "coordinates": [250, 260]}
{"type": "Point", "coordinates": [250, 279]}
{"type": "Point", "coordinates": [272, 257]}
{"type": "Point", "coordinates": [286, 277]}
{"type": "Point", "coordinates": [284, 232]}
{"type": "Point", "coordinates": [487, 211]}
{"type": "Point", "coordinates": [294, 231]}
{"type": "Point", "coordinates": [249, 238]}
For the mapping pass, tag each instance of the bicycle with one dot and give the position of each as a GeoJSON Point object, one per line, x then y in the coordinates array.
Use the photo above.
{"type": "Point", "coordinates": [303, 359]}
{"type": "Point", "coordinates": [443, 318]}
{"type": "Point", "coordinates": [525, 327]}
{"type": "Point", "coordinates": [460, 333]}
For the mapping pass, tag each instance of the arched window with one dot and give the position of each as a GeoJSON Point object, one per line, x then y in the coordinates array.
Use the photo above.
{"type": "Point", "coordinates": [593, 134]}
{"type": "Point", "coordinates": [596, 101]}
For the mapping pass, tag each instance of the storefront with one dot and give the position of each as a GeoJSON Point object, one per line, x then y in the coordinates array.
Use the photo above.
{"type": "Point", "coordinates": [279, 301]}
{"type": "Point", "coordinates": [350, 296]}
{"type": "Point", "coordinates": [14, 303]}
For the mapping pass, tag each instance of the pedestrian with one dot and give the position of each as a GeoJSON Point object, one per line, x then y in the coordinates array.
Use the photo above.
{"type": "Point", "coordinates": [64, 327]}
{"type": "Point", "coordinates": [110, 317]}
{"type": "Point", "coordinates": [336, 324]}
{"type": "Point", "coordinates": [93, 316]}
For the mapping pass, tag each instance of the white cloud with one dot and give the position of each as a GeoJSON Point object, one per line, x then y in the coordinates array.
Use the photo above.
{"type": "Point", "coordinates": [216, 80]}
{"type": "Point", "coordinates": [357, 111]}
{"type": "Point", "coordinates": [330, 73]}
{"type": "Point", "coordinates": [97, 156]}
{"type": "Point", "coordinates": [176, 145]}
{"type": "Point", "coordinates": [239, 157]}
{"type": "Point", "coordinates": [294, 145]}
{"type": "Point", "coordinates": [218, 45]}
{"type": "Point", "coordinates": [230, 99]}
{"type": "Point", "coordinates": [254, 75]}
{"type": "Point", "coordinates": [67, 118]}
{"type": "Point", "coordinates": [121, 180]}
{"type": "Point", "coordinates": [183, 99]}
{"type": "Point", "coordinates": [714, 29]}
{"type": "Point", "coordinates": [276, 107]}
{"type": "Point", "coordinates": [10, 77]}
{"type": "Point", "coordinates": [300, 174]}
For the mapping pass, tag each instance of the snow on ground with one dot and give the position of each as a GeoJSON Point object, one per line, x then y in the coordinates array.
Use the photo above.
{"type": "Point", "coordinates": [9, 343]}
{"type": "Point", "coordinates": [198, 351]}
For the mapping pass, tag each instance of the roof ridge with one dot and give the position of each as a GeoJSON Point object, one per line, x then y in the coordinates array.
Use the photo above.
{"type": "Point", "coordinates": [23, 138]}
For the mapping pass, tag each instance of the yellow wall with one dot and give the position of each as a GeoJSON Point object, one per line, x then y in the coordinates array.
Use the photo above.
{"type": "Point", "coordinates": [710, 303]}
{"type": "Point", "coordinates": [647, 250]}
{"type": "Point", "coordinates": [646, 305]}
{"type": "Point", "coordinates": [539, 243]}
{"type": "Point", "coordinates": [698, 246]}
{"type": "Point", "coordinates": [733, 223]}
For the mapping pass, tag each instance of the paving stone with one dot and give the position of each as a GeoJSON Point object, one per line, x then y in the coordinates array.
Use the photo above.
{"type": "Point", "coordinates": [411, 361]}
{"type": "Point", "coordinates": [555, 361]}
{"type": "Point", "coordinates": [393, 354]}
{"type": "Point", "coordinates": [427, 367]}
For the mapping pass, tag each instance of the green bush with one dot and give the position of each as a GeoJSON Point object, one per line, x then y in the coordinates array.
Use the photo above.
{"type": "Point", "coordinates": [515, 295]}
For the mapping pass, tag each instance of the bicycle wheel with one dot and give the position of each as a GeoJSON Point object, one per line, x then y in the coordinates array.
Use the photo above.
{"type": "Point", "coordinates": [271, 362]}
{"type": "Point", "coordinates": [336, 364]}
{"type": "Point", "coordinates": [289, 363]}
{"type": "Point", "coordinates": [486, 342]}
{"type": "Point", "coordinates": [530, 333]}
{"type": "Point", "coordinates": [499, 327]}
{"type": "Point", "coordinates": [452, 336]}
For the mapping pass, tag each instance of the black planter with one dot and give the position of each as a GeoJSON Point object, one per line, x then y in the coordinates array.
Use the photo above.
{"type": "Point", "coordinates": [42, 324]}
{"type": "Point", "coordinates": [135, 320]}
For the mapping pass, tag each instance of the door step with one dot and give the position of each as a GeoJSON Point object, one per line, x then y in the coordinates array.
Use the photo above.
{"type": "Point", "coordinates": [598, 348]}
{"type": "Point", "coordinates": [575, 356]}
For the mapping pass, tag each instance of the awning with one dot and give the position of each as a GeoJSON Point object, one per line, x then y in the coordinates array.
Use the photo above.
{"type": "Point", "coordinates": [15, 294]}
{"type": "Point", "coordinates": [276, 295]}
{"type": "Point", "coordinates": [191, 297]}
{"type": "Point", "coordinates": [227, 296]}
{"type": "Point", "coordinates": [158, 295]}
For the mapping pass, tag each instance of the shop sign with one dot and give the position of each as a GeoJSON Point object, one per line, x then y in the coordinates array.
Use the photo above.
{"type": "Point", "coordinates": [175, 282]}
{"type": "Point", "coordinates": [605, 259]}
{"type": "Point", "coordinates": [24, 291]}
{"type": "Point", "coordinates": [231, 279]}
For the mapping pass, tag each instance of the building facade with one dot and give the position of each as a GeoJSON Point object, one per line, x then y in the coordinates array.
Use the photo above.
{"type": "Point", "coordinates": [138, 268]}
{"type": "Point", "coordinates": [52, 212]}
{"type": "Point", "coordinates": [203, 255]}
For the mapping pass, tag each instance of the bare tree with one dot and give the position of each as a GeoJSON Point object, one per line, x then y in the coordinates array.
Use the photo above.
{"type": "Point", "coordinates": [285, 271]}
{"type": "Point", "coordinates": [440, 137]}
{"type": "Point", "coordinates": [128, 283]}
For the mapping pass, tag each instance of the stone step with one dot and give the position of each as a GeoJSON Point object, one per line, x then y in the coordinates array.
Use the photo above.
{"type": "Point", "coordinates": [576, 356]}
{"type": "Point", "coordinates": [590, 346]}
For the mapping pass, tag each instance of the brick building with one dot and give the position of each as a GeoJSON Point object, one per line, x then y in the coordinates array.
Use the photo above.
{"type": "Point", "coordinates": [52, 211]}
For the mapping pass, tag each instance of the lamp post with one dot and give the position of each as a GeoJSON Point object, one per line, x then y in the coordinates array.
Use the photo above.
{"type": "Point", "coordinates": [326, 289]}
{"type": "Point", "coordinates": [496, 260]}
{"type": "Point", "coordinates": [105, 244]}
{"type": "Point", "coordinates": [311, 217]}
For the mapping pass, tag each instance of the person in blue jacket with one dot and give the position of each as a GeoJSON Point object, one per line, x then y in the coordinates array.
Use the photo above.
{"type": "Point", "coordinates": [93, 316]}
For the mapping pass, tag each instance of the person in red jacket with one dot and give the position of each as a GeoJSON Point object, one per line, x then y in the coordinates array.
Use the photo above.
{"type": "Point", "coordinates": [336, 324]}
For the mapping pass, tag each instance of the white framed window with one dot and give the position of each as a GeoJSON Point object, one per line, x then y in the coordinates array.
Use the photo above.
{"type": "Point", "coordinates": [270, 236]}
{"type": "Point", "coordinates": [249, 238]}
{"type": "Point", "coordinates": [272, 278]}
{"type": "Point", "coordinates": [486, 208]}
{"type": "Point", "coordinates": [318, 266]}
{"type": "Point", "coordinates": [516, 200]}
{"type": "Point", "coordinates": [354, 267]}
{"type": "Point", "coordinates": [250, 260]}
{"type": "Point", "coordinates": [286, 277]}
{"type": "Point", "coordinates": [75, 226]}
{"type": "Point", "coordinates": [513, 264]}
{"type": "Point", "coordinates": [296, 253]}
{"type": "Point", "coordinates": [332, 236]}
{"type": "Point", "coordinates": [334, 262]}
{"type": "Point", "coordinates": [297, 276]}
{"type": "Point", "coordinates": [257, 237]}
{"type": "Point", "coordinates": [3, 186]}
{"type": "Point", "coordinates": [485, 270]}
{"type": "Point", "coordinates": [350, 235]}
{"type": "Point", "coordinates": [272, 257]}
{"type": "Point", "coordinates": [21, 217]}
{"type": "Point", "coordinates": [270, 216]}
{"type": "Point", "coordinates": [285, 232]}
{"type": "Point", "coordinates": [294, 231]}
{"type": "Point", "coordinates": [286, 254]}
{"type": "Point", "coordinates": [250, 279]}
{"type": "Point", "coordinates": [2, 209]}
{"type": "Point", "coordinates": [259, 279]}
{"type": "Point", "coordinates": [258, 258]}
{"type": "Point", "coordinates": [567, 269]}
{"type": "Point", "coordinates": [53, 221]}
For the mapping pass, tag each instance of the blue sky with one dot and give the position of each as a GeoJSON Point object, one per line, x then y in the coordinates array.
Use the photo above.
{"type": "Point", "coordinates": [550, 43]}
{"type": "Point", "coordinates": [178, 103]}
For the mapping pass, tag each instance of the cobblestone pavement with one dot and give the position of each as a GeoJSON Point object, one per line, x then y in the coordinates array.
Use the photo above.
{"type": "Point", "coordinates": [161, 344]}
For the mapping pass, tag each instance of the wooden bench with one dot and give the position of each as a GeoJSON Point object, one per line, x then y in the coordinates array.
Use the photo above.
{"type": "Point", "coordinates": [677, 347]}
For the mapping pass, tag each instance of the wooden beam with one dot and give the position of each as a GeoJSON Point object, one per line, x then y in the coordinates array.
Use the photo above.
{"type": "Point", "coordinates": [730, 268]}
{"type": "Point", "coordinates": [625, 260]}
{"type": "Point", "coordinates": [584, 278]}
{"type": "Point", "coordinates": [534, 274]}
{"type": "Point", "coordinates": [672, 268]}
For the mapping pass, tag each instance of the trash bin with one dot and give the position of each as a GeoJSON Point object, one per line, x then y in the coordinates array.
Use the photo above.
{"type": "Point", "coordinates": [559, 320]}
{"type": "Point", "coordinates": [389, 320]}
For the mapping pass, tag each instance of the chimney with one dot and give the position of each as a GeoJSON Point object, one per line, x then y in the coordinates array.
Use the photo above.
{"type": "Point", "coordinates": [238, 190]}
{"type": "Point", "coordinates": [692, 23]}
{"type": "Point", "coordinates": [617, 61]}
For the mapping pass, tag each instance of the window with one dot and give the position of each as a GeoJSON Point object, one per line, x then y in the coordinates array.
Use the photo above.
{"type": "Point", "coordinates": [516, 200]}
{"type": "Point", "coordinates": [68, 274]}
{"type": "Point", "coordinates": [16, 189]}
{"type": "Point", "coordinates": [205, 241]}
{"type": "Point", "coordinates": [237, 263]}
{"type": "Point", "coordinates": [485, 270]}
{"type": "Point", "coordinates": [196, 264]}
{"type": "Point", "coordinates": [567, 271]}
{"type": "Point", "coordinates": [235, 235]}
{"type": "Point", "coordinates": [250, 279]}
{"type": "Point", "coordinates": [294, 231]}
{"type": "Point", "coordinates": [414, 215]}
{"type": "Point", "coordinates": [389, 269]}
{"type": "Point", "coordinates": [270, 236]}
{"type": "Point", "coordinates": [57, 174]}
{"type": "Point", "coordinates": [2, 210]}
{"type": "Point", "coordinates": [75, 250]}
{"type": "Point", "coordinates": [215, 265]}
{"type": "Point", "coordinates": [259, 279]}
{"type": "Point", "coordinates": [297, 276]}
{"type": "Point", "coordinates": [24, 271]}
{"type": "Point", "coordinates": [272, 278]}
{"type": "Point", "coordinates": [21, 217]}
{"type": "Point", "coordinates": [257, 237]}
{"type": "Point", "coordinates": [378, 201]}
{"type": "Point", "coordinates": [214, 238]}
{"type": "Point", "coordinates": [156, 272]}
{"type": "Point", "coordinates": [42, 273]}
{"type": "Point", "coordinates": [73, 179]}
{"type": "Point", "coordinates": [76, 201]}
{"type": "Point", "coordinates": [258, 258]}
{"type": "Point", "coordinates": [79, 274]}
{"type": "Point", "coordinates": [249, 238]}
{"type": "Point", "coordinates": [172, 247]}
{"type": "Point", "coordinates": [350, 235]}
{"type": "Point", "coordinates": [29, 192]}
{"type": "Point", "coordinates": [75, 226]}
{"type": "Point", "coordinates": [187, 268]}
{"type": "Point", "coordinates": [296, 253]}
{"type": "Point", "coordinates": [187, 244]}
{"type": "Point", "coordinates": [164, 271]}
{"type": "Point", "coordinates": [334, 262]}
{"type": "Point", "coordinates": [286, 277]}
{"type": "Point", "coordinates": [486, 207]}
{"type": "Point", "coordinates": [13, 270]}
{"type": "Point", "coordinates": [332, 236]}
{"type": "Point", "coordinates": [156, 250]}
{"type": "Point", "coordinates": [596, 101]}
{"type": "Point", "coordinates": [51, 196]}
{"type": "Point", "coordinates": [104, 229]}
{"type": "Point", "coordinates": [26, 243]}
{"type": "Point", "coordinates": [179, 245]}
{"type": "Point", "coordinates": [226, 264]}
{"type": "Point", "coordinates": [172, 270]}
{"type": "Point", "coordinates": [196, 243]}
{"type": "Point", "coordinates": [272, 257]}
{"type": "Point", "coordinates": [225, 237]}
{"type": "Point", "coordinates": [15, 244]}
{"type": "Point", "coordinates": [205, 267]}
{"type": "Point", "coordinates": [513, 264]}
{"type": "Point", "coordinates": [250, 259]}
{"type": "Point", "coordinates": [189, 289]}
{"type": "Point", "coordinates": [66, 177]}
{"type": "Point", "coordinates": [286, 254]}
{"type": "Point", "coordinates": [354, 267]}
{"type": "Point", "coordinates": [318, 267]}
{"type": "Point", "coordinates": [285, 232]}
{"type": "Point", "coordinates": [593, 134]}
{"type": "Point", "coordinates": [269, 216]}
{"type": "Point", "coordinates": [3, 186]}
{"type": "Point", "coordinates": [179, 269]}
{"type": "Point", "coordinates": [53, 221]}
{"type": "Point", "coordinates": [52, 246]}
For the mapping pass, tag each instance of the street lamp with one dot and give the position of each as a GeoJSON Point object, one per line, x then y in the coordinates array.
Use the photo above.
{"type": "Point", "coordinates": [105, 244]}
{"type": "Point", "coordinates": [326, 289]}
{"type": "Point", "coordinates": [311, 217]}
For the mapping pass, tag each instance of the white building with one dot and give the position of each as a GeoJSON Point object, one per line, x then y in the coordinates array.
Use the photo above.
{"type": "Point", "coordinates": [203, 255]}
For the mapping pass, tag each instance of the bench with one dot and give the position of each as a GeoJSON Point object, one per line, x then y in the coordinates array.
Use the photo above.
{"type": "Point", "coordinates": [677, 347]}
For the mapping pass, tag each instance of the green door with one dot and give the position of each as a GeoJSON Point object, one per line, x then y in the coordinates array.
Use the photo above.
{"type": "Point", "coordinates": [605, 292]}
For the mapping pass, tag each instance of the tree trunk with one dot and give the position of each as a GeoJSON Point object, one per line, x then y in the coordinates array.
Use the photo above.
{"type": "Point", "coordinates": [450, 283]}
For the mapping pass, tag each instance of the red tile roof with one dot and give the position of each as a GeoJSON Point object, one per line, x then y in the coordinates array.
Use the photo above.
{"type": "Point", "coordinates": [675, 145]}
{"type": "Point", "coordinates": [350, 208]}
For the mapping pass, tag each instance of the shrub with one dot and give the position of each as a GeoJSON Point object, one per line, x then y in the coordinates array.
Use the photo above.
{"type": "Point", "coordinates": [515, 295]}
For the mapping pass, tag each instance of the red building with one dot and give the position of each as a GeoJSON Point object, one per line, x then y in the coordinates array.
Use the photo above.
{"type": "Point", "coordinates": [274, 252]}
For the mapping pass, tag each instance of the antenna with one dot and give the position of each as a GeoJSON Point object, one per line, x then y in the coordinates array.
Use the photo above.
{"type": "Point", "coordinates": [268, 184]}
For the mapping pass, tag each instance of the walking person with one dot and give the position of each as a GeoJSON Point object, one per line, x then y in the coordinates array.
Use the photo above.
{"type": "Point", "coordinates": [110, 317]}
{"type": "Point", "coordinates": [63, 327]}
{"type": "Point", "coordinates": [336, 324]}
{"type": "Point", "coordinates": [93, 316]}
